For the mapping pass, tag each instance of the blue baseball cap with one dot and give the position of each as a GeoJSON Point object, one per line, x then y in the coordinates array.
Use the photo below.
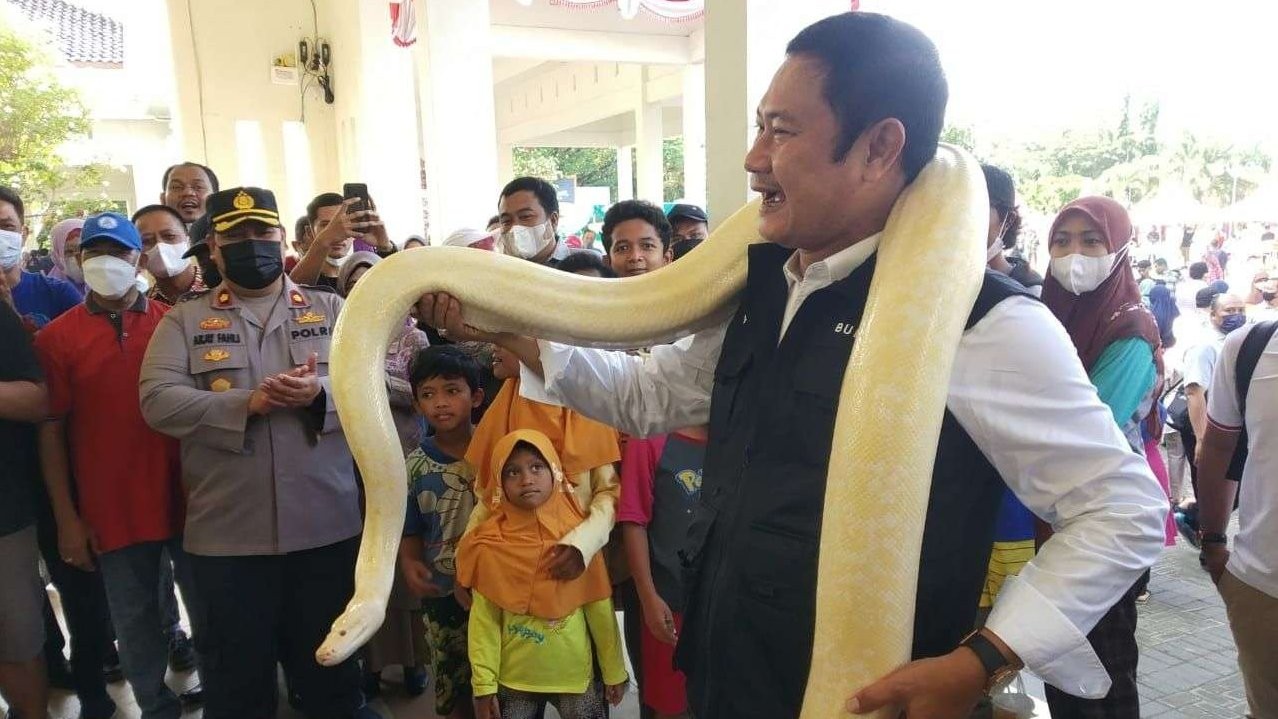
{"type": "Point", "coordinates": [111, 226]}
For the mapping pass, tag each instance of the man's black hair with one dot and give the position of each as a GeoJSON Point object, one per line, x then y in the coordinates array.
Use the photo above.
{"type": "Point", "coordinates": [300, 227]}
{"type": "Point", "coordinates": [1198, 270]}
{"type": "Point", "coordinates": [636, 210]}
{"type": "Point", "coordinates": [579, 261]}
{"type": "Point", "coordinates": [446, 361]}
{"type": "Point", "coordinates": [158, 208]}
{"type": "Point", "coordinates": [545, 192]}
{"type": "Point", "coordinates": [9, 195]}
{"type": "Point", "coordinates": [323, 199]}
{"type": "Point", "coordinates": [1002, 192]}
{"type": "Point", "coordinates": [208, 172]}
{"type": "Point", "coordinates": [1144, 265]}
{"type": "Point", "coordinates": [877, 67]}
{"type": "Point", "coordinates": [496, 219]}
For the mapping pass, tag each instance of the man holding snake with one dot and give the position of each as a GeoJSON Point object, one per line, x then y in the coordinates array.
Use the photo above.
{"type": "Point", "coordinates": [850, 119]}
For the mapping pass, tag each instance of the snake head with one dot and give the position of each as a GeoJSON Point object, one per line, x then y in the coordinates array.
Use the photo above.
{"type": "Point", "coordinates": [351, 631]}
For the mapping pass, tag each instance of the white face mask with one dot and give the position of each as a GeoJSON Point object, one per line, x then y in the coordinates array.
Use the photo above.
{"type": "Point", "coordinates": [337, 261]}
{"type": "Point", "coordinates": [526, 242]}
{"type": "Point", "coordinates": [995, 249]}
{"type": "Point", "coordinates": [110, 277]}
{"type": "Point", "coordinates": [1081, 273]}
{"type": "Point", "coordinates": [10, 249]}
{"type": "Point", "coordinates": [73, 270]}
{"type": "Point", "coordinates": [165, 260]}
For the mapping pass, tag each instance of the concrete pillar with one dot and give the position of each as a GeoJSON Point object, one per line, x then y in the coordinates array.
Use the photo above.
{"type": "Point", "coordinates": [694, 133]}
{"type": "Point", "coordinates": [745, 43]}
{"type": "Point", "coordinates": [649, 135]}
{"type": "Point", "coordinates": [459, 125]}
{"type": "Point", "coordinates": [505, 163]}
{"type": "Point", "coordinates": [625, 174]}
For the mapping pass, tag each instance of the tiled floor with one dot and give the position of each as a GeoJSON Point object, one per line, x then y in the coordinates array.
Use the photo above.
{"type": "Point", "coordinates": [1187, 668]}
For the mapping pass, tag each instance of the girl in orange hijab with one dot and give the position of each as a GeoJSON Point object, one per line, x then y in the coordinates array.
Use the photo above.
{"type": "Point", "coordinates": [530, 634]}
{"type": "Point", "coordinates": [586, 449]}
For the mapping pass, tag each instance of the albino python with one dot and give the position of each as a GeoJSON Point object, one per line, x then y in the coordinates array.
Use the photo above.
{"type": "Point", "coordinates": [885, 435]}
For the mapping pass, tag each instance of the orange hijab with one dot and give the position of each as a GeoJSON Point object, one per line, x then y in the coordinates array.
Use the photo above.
{"type": "Point", "coordinates": [504, 558]}
{"type": "Point", "coordinates": [580, 442]}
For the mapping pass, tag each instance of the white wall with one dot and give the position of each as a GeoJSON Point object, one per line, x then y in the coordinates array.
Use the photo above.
{"type": "Point", "coordinates": [222, 52]}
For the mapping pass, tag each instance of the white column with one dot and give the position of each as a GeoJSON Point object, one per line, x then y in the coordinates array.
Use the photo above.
{"type": "Point", "coordinates": [694, 133]}
{"type": "Point", "coordinates": [458, 114]}
{"type": "Point", "coordinates": [745, 43]}
{"type": "Point", "coordinates": [625, 174]}
{"type": "Point", "coordinates": [649, 134]}
{"type": "Point", "coordinates": [505, 163]}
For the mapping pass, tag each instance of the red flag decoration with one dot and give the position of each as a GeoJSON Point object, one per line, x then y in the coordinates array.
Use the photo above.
{"type": "Point", "coordinates": [403, 22]}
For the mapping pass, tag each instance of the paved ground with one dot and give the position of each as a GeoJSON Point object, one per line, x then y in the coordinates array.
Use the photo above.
{"type": "Point", "coordinates": [1187, 658]}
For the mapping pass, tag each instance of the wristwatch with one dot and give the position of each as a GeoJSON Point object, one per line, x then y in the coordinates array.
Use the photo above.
{"type": "Point", "coordinates": [998, 670]}
{"type": "Point", "coordinates": [1212, 538]}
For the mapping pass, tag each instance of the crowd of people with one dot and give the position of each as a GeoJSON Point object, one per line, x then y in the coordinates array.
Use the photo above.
{"type": "Point", "coordinates": [166, 417]}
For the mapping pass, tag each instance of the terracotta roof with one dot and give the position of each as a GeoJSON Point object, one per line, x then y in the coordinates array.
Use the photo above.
{"type": "Point", "coordinates": [83, 36]}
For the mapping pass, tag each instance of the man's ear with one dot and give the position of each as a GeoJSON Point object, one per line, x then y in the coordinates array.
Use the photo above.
{"type": "Point", "coordinates": [554, 220]}
{"type": "Point", "coordinates": [477, 398]}
{"type": "Point", "coordinates": [884, 143]}
{"type": "Point", "coordinates": [162, 194]}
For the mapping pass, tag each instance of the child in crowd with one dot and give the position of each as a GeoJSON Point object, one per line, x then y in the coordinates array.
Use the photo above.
{"type": "Point", "coordinates": [441, 498]}
{"type": "Point", "coordinates": [531, 635]}
{"type": "Point", "coordinates": [586, 448]}
{"type": "Point", "coordinates": [660, 485]}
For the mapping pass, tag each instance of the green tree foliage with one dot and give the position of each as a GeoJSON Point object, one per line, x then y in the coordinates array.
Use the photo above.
{"type": "Point", "coordinates": [597, 166]}
{"type": "Point", "coordinates": [37, 116]}
{"type": "Point", "coordinates": [62, 209]}
{"type": "Point", "coordinates": [672, 169]}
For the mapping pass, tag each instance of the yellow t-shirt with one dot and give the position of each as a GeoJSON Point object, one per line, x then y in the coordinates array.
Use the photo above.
{"type": "Point", "coordinates": [536, 655]}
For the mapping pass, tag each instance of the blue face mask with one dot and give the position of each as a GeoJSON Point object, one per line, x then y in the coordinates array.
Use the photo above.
{"type": "Point", "coordinates": [1232, 322]}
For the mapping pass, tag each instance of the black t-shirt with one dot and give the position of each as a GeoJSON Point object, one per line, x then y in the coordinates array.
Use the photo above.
{"type": "Point", "coordinates": [20, 465]}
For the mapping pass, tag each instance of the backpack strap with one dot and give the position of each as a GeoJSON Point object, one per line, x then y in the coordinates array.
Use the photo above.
{"type": "Point", "coordinates": [1253, 346]}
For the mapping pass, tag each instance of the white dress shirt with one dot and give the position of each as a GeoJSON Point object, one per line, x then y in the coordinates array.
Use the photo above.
{"type": "Point", "coordinates": [1020, 391]}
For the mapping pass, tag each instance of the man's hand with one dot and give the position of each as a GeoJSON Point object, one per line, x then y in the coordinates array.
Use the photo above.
{"type": "Point", "coordinates": [260, 402]}
{"type": "Point", "coordinates": [945, 687]}
{"type": "Point", "coordinates": [659, 618]}
{"type": "Point", "coordinates": [486, 707]}
{"type": "Point", "coordinates": [566, 563]}
{"type": "Point", "coordinates": [338, 230]}
{"type": "Point", "coordinates": [441, 311]}
{"type": "Point", "coordinates": [1215, 557]}
{"type": "Point", "coordinates": [462, 595]}
{"type": "Point", "coordinates": [417, 576]}
{"type": "Point", "coordinates": [614, 693]}
{"type": "Point", "coordinates": [76, 544]}
{"type": "Point", "coordinates": [368, 224]}
{"type": "Point", "coordinates": [296, 388]}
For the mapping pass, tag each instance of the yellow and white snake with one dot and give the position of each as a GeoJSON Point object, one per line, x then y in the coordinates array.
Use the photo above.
{"type": "Point", "coordinates": [885, 435]}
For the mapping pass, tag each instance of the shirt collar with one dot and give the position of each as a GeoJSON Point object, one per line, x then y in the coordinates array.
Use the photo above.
{"type": "Point", "coordinates": [835, 267]}
{"type": "Point", "coordinates": [94, 308]}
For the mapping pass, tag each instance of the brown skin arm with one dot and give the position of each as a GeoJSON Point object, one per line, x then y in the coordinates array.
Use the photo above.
{"type": "Point", "coordinates": [22, 401]}
{"type": "Point", "coordinates": [656, 613]}
{"type": "Point", "coordinates": [75, 541]}
{"type": "Point", "coordinates": [1196, 398]}
{"type": "Point", "coordinates": [1215, 492]}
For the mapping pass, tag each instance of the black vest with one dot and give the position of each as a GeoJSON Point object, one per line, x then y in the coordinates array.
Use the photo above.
{"type": "Point", "coordinates": [751, 556]}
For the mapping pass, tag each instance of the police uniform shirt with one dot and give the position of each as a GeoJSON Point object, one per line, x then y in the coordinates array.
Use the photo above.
{"type": "Point", "coordinates": [1034, 415]}
{"type": "Point", "coordinates": [271, 484]}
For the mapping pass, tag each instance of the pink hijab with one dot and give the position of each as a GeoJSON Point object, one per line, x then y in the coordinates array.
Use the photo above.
{"type": "Point", "coordinates": [1113, 311]}
{"type": "Point", "coordinates": [58, 236]}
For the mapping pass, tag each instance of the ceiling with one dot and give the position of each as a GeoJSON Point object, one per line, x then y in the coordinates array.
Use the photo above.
{"type": "Point", "coordinates": [604, 18]}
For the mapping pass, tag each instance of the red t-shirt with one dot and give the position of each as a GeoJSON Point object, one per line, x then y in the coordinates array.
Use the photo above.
{"type": "Point", "coordinates": [127, 475]}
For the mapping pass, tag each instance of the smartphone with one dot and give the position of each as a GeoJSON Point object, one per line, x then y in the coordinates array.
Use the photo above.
{"type": "Point", "coordinates": [357, 190]}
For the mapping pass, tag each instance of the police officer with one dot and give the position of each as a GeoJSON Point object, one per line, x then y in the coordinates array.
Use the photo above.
{"type": "Point", "coordinates": [239, 375]}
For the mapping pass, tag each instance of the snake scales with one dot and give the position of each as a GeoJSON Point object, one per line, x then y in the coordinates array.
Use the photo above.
{"type": "Point", "coordinates": [888, 422]}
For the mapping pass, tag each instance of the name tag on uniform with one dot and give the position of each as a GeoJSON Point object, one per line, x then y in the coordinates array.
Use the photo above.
{"type": "Point", "coordinates": [219, 338]}
{"type": "Point", "coordinates": [216, 355]}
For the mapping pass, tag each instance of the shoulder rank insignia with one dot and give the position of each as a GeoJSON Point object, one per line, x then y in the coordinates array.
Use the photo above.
{"type": "Point", "coordinates": [216, 355]}
{"type": "Point", "coordinates": [215, 323]}
{"type": "Point", "coordinates": [297, 298]}
{"type": "Point", "coordinates": [223, 297]}
{"type": "Point", "coordinates": [310, 318]}
{"type": "Point", "coordinates": [221, 384]}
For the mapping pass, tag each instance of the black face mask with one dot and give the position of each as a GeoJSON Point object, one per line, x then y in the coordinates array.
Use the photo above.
{"type": "Point", "coordinates": [1269, 296]}
{"type": "Point", "coordinates": [252, 264]}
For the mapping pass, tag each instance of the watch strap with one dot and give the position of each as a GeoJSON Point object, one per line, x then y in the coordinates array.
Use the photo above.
{"type": "Point", "coordinates": [1213, 538]}
{"type": "Point", "coordinates": [989, 655]}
